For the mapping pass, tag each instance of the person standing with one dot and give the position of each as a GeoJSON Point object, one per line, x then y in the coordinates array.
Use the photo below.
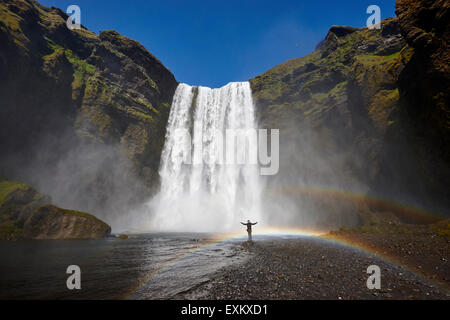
{"type": "Point", "coordinates": [249, 228]}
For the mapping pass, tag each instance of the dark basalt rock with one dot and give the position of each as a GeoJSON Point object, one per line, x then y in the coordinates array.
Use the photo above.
{"type": "Point", "coordinates": [50, 222]}
{"type": "Point", "coordinates": [373, 104]}
{"type": "Point", "coordinates": [64, 91]}
{"type": "Point", "coordinates": [27, 214]}
{"type": "Point", "coordinates": [423, 115]}
{"type": "Point", "coordinates": [342, 31]}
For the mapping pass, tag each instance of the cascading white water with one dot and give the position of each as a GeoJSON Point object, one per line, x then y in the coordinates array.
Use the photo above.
{"type": "Point", "coordinates": [208, 195]}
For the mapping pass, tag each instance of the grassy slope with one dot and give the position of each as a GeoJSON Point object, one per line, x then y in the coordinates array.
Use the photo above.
{"type": "Point", "coordinates": [308, 87]}
{"type": "Point", "coordinates": [120, 92]}
{"type": "Point", "coordinates": [19, 203]}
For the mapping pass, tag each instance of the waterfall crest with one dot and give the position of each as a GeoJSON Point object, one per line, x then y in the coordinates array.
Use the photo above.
{"type": "Point", "coordinates": [199, 191]}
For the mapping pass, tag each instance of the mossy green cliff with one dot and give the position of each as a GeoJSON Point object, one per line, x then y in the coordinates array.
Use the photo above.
{"type": "Point", "coordinates": [373, 104]}
{"type": "Point", "coordinates": [366, 112]}
{"type": "Point", "coordinates": [82, 115]}
{"type": "Point", "coordinates": [100, 89]}
{"type": "Point", "coordinates": [25, 213]}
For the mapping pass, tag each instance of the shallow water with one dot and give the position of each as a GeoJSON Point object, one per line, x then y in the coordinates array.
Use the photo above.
{"type": "Point", "coordinates": [147, 266]}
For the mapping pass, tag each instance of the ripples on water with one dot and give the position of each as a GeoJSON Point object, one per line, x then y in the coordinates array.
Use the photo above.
{"type": "Point", "coordinates": [148, 266]}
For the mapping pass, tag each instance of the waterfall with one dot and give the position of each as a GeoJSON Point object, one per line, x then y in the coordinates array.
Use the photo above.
{"type": "Point", "coordinates": [200, 191]}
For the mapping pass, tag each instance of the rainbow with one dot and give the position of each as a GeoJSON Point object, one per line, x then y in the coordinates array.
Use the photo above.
{"type": "Point", "coordinates": [223, 237]}
{"type": "Point", "coordinates": [281, 232]}
{"type": "Point", "coordinates": [405, 212]}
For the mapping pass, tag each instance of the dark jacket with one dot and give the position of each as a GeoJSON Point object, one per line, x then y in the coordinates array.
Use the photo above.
{"type": "Point", "coordinates": [249, 225]}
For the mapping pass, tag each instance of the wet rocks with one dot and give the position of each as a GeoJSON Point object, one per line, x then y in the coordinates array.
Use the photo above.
{"type": "Point", "coordinates": [328, 271]}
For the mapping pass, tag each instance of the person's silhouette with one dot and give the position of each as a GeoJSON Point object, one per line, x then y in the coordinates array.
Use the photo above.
{"type": "Point", "coordinates": [249, 228]}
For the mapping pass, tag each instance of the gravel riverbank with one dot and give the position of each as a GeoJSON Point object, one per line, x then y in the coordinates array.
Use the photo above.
{"type": "Point", "coordinates": [312, 268]}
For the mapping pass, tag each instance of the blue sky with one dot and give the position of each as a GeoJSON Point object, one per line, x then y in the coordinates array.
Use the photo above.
{"type": "Point", "coordinates": [211, 42]}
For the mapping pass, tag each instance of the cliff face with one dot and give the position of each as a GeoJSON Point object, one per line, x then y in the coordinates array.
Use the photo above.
{"type": "Point", "coordinates": [83, 116]}
{"type": "Point", "coordinates": [66, 94]}
{"type": "Point", "coordinates": [108, 88]}
{"type": "Point", "coordinates": [368, 109]}
{"type": "Point", "coordinates": [336, 103]}
{"type": "Point", "coordinates": [50, 222]}
{"type": "Point", "coordinates": [25, 213]}
{"type": "Point", "coordinates": [423, 115]}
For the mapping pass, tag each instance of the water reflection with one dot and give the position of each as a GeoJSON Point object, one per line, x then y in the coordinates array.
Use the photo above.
{"type": "Point", "coordinates": [148, 266]}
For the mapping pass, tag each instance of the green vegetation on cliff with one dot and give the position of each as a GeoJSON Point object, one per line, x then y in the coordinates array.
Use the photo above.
{"type": "Point", "coordinates": [25, 213]}
{"type": "Point", "coordinates": [76, 90]}
{"type": "Point", "coordinates": [50, 222]}
{"type": "Point", "coordinates": [372, 104]}
{"type": "Point", "coordinates": [8, 187]}
{"type": "Point", "coordinates": [309, 87]}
